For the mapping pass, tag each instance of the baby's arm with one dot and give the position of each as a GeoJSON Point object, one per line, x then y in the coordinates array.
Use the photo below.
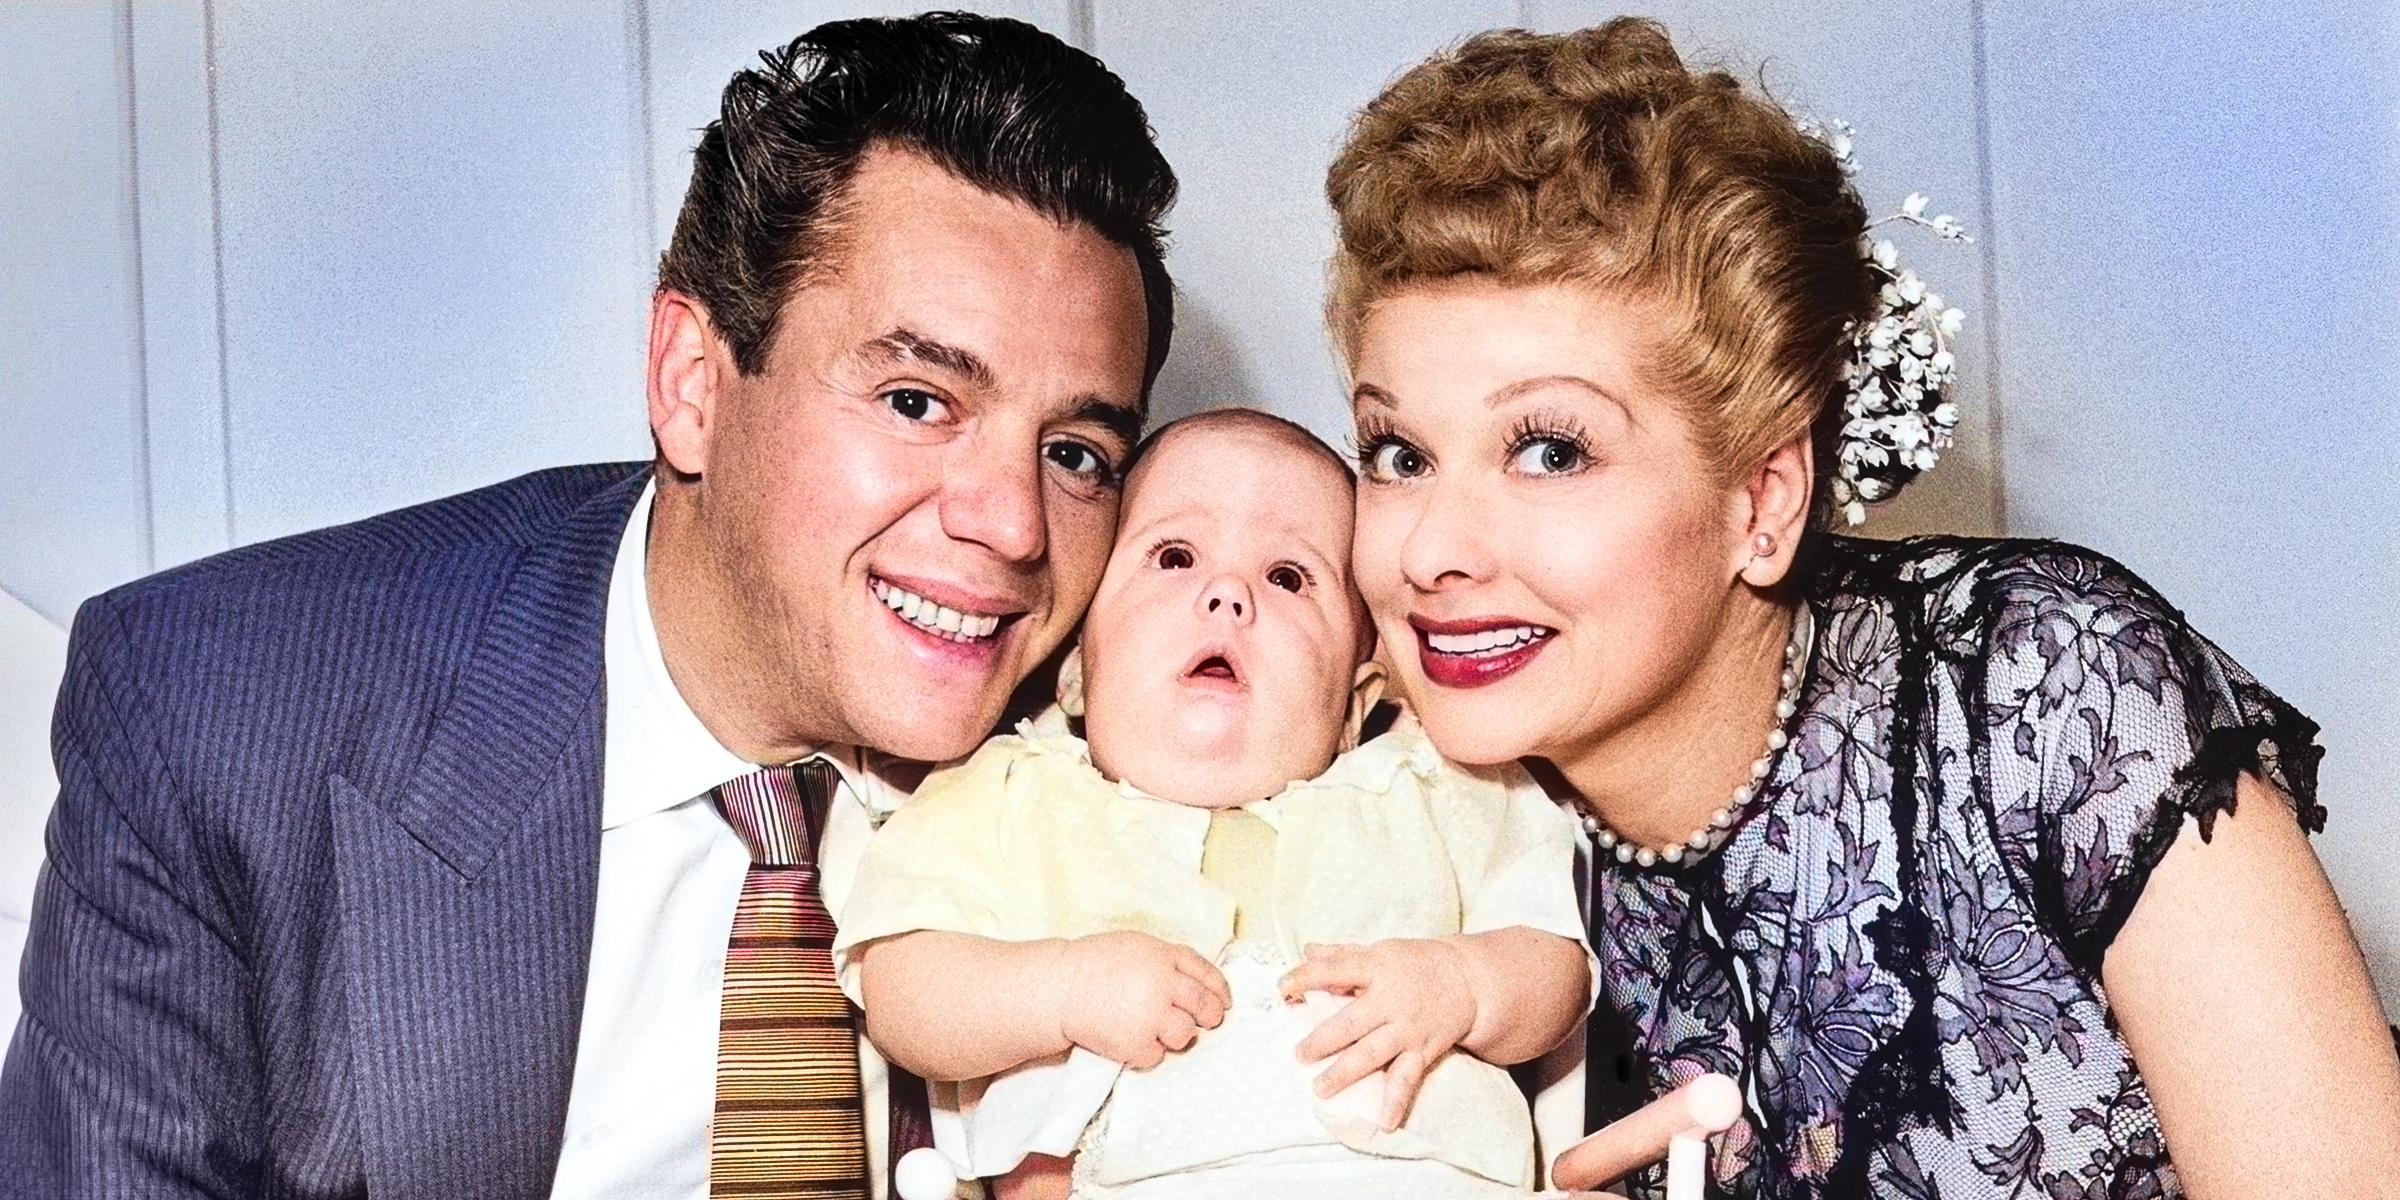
{"type": "Point", "coordinates": [1505, 996]}
{"type": "Point", "coordinates": [957, 1006]}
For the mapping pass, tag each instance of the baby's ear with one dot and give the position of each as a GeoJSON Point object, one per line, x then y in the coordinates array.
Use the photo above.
{"type": "Point", "coordinates": [1070, 682]}
{"type": "Point", "coordinates": [1366, 689]}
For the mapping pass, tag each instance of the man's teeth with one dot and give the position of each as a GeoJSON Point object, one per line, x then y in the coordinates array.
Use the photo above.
{"type": "Point", "coordinates": [938, 620]}
{"type": "Point", "coordinates": [1483, 641]}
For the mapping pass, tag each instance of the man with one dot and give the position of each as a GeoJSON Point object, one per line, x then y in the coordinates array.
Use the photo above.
{"type": "Point", "coordinates": [401, 858]}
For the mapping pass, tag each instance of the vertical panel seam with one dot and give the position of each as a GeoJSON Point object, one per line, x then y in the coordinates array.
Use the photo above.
{"type": "Point", "coordinates": [1081, 27]}
{"type": "Point", "coordinates": [216, 249]}
{"type": "Point", "coordinates": [645, 133]}
{"type": "Point", "coordinates": [1997, 423]}
{"type": "Point", "coordinates": [141, 313]}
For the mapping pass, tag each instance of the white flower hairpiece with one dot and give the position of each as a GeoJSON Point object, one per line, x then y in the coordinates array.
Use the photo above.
{"type": "Point", "coordinates": [1897, 414]}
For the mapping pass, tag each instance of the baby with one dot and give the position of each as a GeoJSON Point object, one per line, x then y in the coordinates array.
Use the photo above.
{"type": "Point", "coordinates": [1130, 945]}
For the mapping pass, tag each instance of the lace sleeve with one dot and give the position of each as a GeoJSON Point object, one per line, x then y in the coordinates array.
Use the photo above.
{"type": "Point", "coordinates": [2106, 721]}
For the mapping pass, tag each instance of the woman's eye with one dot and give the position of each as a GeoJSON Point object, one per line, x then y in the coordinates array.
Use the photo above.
{"type": "Point", "coordinates": [1547, 456]}
{"type": "Point", "coordinates": [1288, 578]}
{"type": "Point", "coordinates": [1075, 458]}
{"type": "Point", "coordinates": [1175, 558]}
{"type": "Point", "coordinates": [915, 404]}
{"type": "Point", "coordinates": [1395, 460]}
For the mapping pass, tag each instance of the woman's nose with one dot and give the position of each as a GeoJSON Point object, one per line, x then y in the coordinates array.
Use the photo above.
{"type": "Point", "coordinates": [1447, 544]}
{"type": "Point", "coordinates": [1227, 596]}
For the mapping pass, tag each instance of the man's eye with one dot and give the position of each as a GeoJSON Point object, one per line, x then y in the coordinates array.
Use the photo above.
{"type": "Point", "coordinates": [1288, 578]}
{"type": "Point", "coordinates": [1077, 459]}
{"type": "Point", "coordinates": [1547, 456]}
{"type": "Point", "coordinates": [915, 404]}
{"type": "Point", "coordinates": [1395, 460]}
{"type": "Point", "coordinates": [1175, 558]}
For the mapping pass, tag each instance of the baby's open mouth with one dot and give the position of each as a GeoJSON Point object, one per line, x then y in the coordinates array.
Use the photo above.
{"type": "Point", "coordinates": [1215, 667]}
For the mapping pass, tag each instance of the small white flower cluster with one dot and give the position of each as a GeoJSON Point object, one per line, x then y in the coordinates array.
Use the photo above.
{"type": "Point", "coordinates": [1898, 418]}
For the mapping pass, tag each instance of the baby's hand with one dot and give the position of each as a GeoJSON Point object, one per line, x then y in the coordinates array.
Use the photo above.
{"type": "Point", "coordinates": [1132, 998]}
{"type": "Point", "coordinates": [1413, 1001]}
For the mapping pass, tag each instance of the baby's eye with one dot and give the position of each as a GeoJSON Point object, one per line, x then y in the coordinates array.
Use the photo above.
{"type": "Point", "coordinates": [1175, 558]}
{"type": "Point", "coordinates": [1288, 578]}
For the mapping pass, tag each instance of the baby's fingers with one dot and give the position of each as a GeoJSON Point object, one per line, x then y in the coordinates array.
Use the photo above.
{"type": "Point", "coordinates": [1176, 1029]}
{"type": "Point", "coordinates": [1339, 1031]}
{"type": "Point", "coordinates": [1335, 968]}
{"type": "Point", "coordinates": [1400, 1083]}
{"type": "Point", "coordinates": [1207, 978]}
{"type": "Point", "coordinates": [1364, 1057]}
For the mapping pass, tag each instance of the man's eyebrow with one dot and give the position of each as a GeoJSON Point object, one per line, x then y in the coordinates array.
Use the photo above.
{"type": "Point", "coordinates": [1124, 420]}
{"type": "Point", "coordinates": [902, 345]}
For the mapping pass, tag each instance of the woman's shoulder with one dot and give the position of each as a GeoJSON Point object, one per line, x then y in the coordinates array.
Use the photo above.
{"type": "Point", "coordinates": [1973, 591]}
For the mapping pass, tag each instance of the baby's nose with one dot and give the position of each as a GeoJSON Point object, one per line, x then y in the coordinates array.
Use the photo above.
{"type": "Point", "coordinates": [1226, 597]}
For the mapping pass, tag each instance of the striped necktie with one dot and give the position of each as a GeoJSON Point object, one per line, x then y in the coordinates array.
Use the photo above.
{"type": "Point", "coordinates": [788, 1120]}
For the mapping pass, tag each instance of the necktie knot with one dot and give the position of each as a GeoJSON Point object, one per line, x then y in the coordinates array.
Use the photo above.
{"type": "Point", "coordinates": [778, 811]}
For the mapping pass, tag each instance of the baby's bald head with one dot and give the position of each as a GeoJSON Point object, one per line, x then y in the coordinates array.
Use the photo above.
{"type": "Point", "coordinates": [1263, 425]}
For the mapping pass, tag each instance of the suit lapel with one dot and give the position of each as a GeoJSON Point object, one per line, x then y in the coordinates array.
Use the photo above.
{"type": "Point", "coordinates": [467, 897]}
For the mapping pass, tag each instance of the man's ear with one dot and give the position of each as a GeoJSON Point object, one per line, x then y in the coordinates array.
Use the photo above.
{"type": "Point", "coordinates": [1366, 689]}
{"type": "Point", "coordinates": [1775, 500]}
{"type": "Point", "coordinates": [685, 376]}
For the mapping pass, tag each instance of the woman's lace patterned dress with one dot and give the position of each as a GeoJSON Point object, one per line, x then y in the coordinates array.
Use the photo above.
{"type": "Point", "coordinates": [1898, 952]}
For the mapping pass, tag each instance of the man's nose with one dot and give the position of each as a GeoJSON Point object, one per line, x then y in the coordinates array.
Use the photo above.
{"type": "Point", "coordinates": [1227, 597]}
{"type": "Point", "coordinates": [993, 498]}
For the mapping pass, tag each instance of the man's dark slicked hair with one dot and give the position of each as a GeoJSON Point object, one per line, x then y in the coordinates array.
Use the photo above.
{"type": "Point", "coordinates": [998, 103]}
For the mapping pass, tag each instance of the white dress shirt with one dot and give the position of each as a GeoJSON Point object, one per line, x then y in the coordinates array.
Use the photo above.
{"type": "Point", "coordinates": [671, 872]}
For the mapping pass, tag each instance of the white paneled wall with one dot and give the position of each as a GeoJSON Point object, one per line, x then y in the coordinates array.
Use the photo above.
{"type": "Point", "coordinates": [264, 267]}
{"type": "Point", "coordinates": [2198, 353]}
{"type": "Point", "coordinates": [1260, 92]}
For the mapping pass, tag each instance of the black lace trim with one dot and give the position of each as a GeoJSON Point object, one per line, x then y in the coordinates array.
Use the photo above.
{"type": "Point", "coordinates": [1901, 1079]}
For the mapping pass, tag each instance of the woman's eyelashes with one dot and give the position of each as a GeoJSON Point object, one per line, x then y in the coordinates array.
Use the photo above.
{"type": "Point", "coordinates": [1385, 457]}
{"type": "Point", "coordinates": [1537, 448]}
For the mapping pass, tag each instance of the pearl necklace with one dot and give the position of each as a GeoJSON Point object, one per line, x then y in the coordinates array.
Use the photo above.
{"type": "Point", "coordinates": [1720, 823]}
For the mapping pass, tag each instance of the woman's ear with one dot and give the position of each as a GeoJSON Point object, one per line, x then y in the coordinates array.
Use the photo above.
{"type": "Point", "coordinates": [1070, 682]}
{"type": "Point", "coordinates": [1366, 690]}
{"type": "Point", "coordinates": [1775, 498]}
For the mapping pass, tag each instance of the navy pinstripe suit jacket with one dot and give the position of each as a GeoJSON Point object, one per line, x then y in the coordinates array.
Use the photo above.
{"type": "Point", "coordinates": [319, 896]}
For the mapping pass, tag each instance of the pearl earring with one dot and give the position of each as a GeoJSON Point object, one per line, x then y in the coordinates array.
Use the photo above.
{"type": "Point", "coordinates": [1763, 546]}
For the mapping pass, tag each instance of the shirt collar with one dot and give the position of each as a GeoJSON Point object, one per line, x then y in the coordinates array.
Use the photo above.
{"type": "Point", "coordinates": [658, 755]}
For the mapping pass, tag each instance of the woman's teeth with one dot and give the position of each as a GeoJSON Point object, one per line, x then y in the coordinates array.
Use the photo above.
{"type": "Point", "coordinates": [939, 620]}
{"type": "Point", "coordinates": [1483, 641]}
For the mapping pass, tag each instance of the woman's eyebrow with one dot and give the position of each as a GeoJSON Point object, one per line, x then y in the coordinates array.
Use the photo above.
{"type": "Point", "coordinates": [1524, 387]}
{"type": "Point", "coordinates": [1370, 394]}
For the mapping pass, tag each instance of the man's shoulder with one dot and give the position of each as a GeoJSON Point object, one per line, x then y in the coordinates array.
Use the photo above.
{"type": "Point", "coordinates": [399, 596]}
{"type": "Point", "coordinates": [504, 516]}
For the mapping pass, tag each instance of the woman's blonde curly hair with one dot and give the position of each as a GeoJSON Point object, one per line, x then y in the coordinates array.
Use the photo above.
{"type": "Point", "coordinates": [1597, 158]}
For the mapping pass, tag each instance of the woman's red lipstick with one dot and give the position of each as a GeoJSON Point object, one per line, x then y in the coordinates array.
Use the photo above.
{"type": "Point", "coordinates": [1517, 645]}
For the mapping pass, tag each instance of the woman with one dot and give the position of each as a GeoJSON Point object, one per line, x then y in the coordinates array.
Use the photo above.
{"type": "Point", "coordinates": [2024, 906]}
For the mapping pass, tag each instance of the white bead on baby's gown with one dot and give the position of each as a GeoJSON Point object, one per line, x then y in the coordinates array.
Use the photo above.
{"type": "Point", "coordinates": [925, 1174]}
